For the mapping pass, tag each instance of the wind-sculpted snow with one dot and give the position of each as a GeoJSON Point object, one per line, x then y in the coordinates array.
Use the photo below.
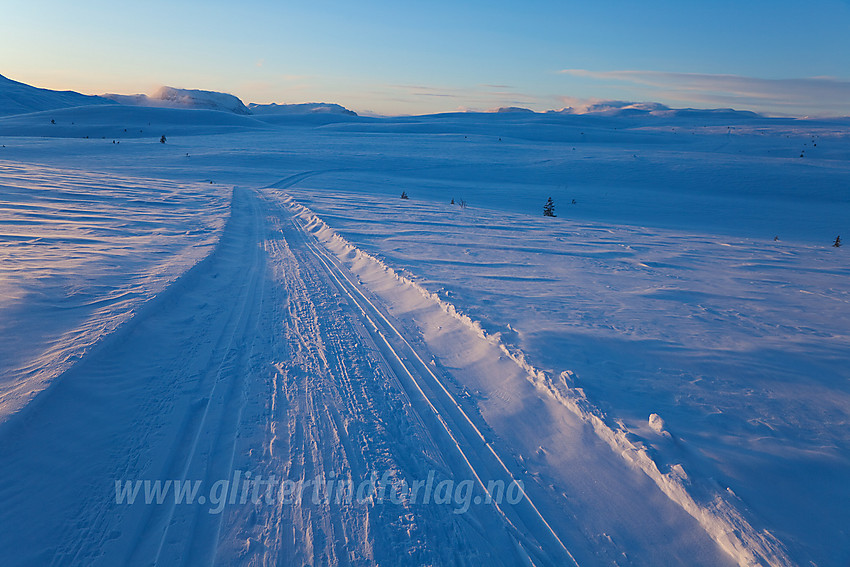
{"type": "Point", "coordinates": [80, 252]}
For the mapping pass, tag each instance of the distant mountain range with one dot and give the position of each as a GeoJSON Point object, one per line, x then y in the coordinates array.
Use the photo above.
{"type": "Point", "coordinates": [20, 98]}
{"type": "Point", "coordinates": [304, 108]}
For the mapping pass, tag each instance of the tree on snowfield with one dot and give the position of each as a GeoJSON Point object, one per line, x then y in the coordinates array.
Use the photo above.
{"type": "Point", "coordinates": [162, 140]}
{"type": "Point", "coordinates": [549, 208]}
{"type": "Point", "coordinates": [404, 195]}
{"type": "Point", "coordinates": [837, 242]}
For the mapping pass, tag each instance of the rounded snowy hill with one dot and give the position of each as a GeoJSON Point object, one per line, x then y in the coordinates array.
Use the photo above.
{"type": "Point", "coordinates": [170, 97]}
{"type": "Point", "coordinates": [19, 98]}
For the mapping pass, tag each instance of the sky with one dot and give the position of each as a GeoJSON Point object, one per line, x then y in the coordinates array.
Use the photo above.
{"type": "Point", "coordinates": [383, 57]}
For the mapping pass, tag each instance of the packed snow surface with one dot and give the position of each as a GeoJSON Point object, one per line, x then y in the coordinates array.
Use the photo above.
{"type": "Point", "coordinates": [663, 365]}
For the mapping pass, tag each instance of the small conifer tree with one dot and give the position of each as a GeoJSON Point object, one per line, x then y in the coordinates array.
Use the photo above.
{"type": "Point", "coordinates": [549, 208]}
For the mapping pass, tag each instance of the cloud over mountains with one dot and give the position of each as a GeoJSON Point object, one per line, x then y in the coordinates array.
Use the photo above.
{"type": "Point", "coordinates": [830, 95]}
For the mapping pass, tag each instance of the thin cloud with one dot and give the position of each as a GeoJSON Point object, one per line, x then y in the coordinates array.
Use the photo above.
{"type": "Point", "coordinates": [811, 94]}
{"type": "Point", "coordinates": [481, 96]}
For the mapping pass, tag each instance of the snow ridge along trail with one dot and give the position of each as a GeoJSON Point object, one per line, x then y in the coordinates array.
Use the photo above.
{"type": "Point", "coordinates": [717, 515]}
{"type": "Point", "coordinates": [413, 372]}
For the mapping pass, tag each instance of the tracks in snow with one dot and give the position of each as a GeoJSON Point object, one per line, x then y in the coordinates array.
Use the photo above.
{"type": "Point", "coordinates": [524, 521]}
{"type": "Point", "coordinates": [265, 358]}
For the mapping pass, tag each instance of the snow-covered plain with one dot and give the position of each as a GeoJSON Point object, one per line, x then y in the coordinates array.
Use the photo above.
{"type": "Point", "coordinates": [668, 379]}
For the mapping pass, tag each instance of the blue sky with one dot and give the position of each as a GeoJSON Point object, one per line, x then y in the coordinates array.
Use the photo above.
{"type": "Point", "coordinates": [411, 58]}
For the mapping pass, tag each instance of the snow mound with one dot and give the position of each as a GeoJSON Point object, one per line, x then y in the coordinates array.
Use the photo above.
{"type": "Point", "coordinates": [20, 98]}
{"type": "Point", "coordinates": [170, 97]}
{"type": "Point", "coordinates": [657, 425]}
{"type": "Point", "coordinates": [304, 108]}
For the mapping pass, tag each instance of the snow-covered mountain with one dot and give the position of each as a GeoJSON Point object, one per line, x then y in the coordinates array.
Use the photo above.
{"type": "Point", "coordinates": [305, 108]}
{"type": "Point", "coordinates": [514, 110]}
{"type": "Point", "coordinates": [625, 109]}
{"type": "Point", "coordinates": [20, 98]}
{"type": "Point", "coordinates": [170, 97]}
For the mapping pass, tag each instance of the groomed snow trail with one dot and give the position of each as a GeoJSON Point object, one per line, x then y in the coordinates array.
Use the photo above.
{"type": "Point", "coordinates": [270, 360]}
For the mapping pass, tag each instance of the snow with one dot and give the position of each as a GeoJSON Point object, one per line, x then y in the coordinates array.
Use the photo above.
{"type": "Point", "coordinates": [668, 380]}
{"type": "Point", "coordinates": [81, 252]}
{"type": "Point", "coordinates": [656, 423]}
{"type": "Point", "coordinates": [120, 122]}
{"type": "Point", "coordinates": [20, 98]}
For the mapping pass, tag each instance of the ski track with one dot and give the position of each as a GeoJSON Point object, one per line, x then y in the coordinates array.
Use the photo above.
{"type": "Point", "coordinates": [385, 329]}
{"type": "Point", "coordinates": [256, 362]}
{"type": "Point", "coordinates": [270, 356]}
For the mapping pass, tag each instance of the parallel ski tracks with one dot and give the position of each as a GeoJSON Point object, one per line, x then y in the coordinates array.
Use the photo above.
{"type": "Point", "coordinates": [406, 358]}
